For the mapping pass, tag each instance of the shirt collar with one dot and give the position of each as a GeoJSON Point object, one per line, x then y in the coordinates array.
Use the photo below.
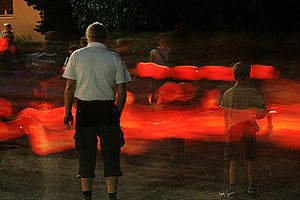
{"type": "Point", "coordinates": [97, 44]}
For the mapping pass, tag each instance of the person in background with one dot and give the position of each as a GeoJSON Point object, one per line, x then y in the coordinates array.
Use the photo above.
{"type": "Point", "coordinates": [161, 54]}
{"type": "Point", "coordinates": [72, 48]}
{"type": "Point", "coordinates": [92, 74]}
{"type": "Point", "coordinates": [83, 42]}
{"type": "Point", "coordinates": [123, 46]}
{"type": "Point", "coordinates": [242, 105]}
{"type": "Point", "coordinates": [9, 36]}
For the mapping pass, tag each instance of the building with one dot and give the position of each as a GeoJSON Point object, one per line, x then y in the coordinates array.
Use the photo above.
{"type": "Point", "coordinates": [22, 17]}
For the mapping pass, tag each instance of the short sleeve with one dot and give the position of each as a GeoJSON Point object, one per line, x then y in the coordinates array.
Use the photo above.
{"type": "Point", "coordinates": [258, 101]}
{"type": "Point", "coordinates": [122, 75]}
{"type": "Point", "coordinates": [70, 72]}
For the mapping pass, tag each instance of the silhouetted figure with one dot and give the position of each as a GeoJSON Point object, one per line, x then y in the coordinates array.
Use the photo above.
{"type": "Point", "coordinates": [83, 42]}
{"type": "Point", "coordinates": [72, 48]}
{"type": "Point", "coordinates": [123, 46]}
{"type": "Point", "coordinates": [242, 105]}
{"type": "Point", "coordinates": [92, 73]}
{"type": "Point", "coordinates": [161, 54]}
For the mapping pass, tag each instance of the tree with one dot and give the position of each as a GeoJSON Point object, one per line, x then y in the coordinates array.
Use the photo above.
{"type": "Point", "coordinates": [56, 15]}
{"type": "Point", "coordinates": [72, 16]}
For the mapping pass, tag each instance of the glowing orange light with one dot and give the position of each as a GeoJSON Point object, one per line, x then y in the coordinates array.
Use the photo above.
{"type": "Point", "coordinates": [3, 44]}
{"type": "Point", "coordinates": [168, 92]}
{"type": "Point", "coordinates": [186, 73]}
{"type": "Point", "coordinates": [211, 99]}
{"type": "Point", "coordinates": [218, 73]}
{"type": "Point", "coordinates": [5, 108]}
{"type": "Point", "coordinates": [194, 73]}
{"type": "Point", "coordinates": [140, 124]}
{"type": "Point", "coordinates": [263, 72]}
{"type": "Point", "coordinates": [153, 70]}
{"type": "Point", "coordinates": [188, 92]}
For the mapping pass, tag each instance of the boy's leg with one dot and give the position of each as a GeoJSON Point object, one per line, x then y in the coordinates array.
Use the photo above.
{"type": "Point", "coordinates": [251, 172]}
{"type": "Point", "coordinates": [233, 172]}
{"type": "Point", "coordinates": [250, 154]}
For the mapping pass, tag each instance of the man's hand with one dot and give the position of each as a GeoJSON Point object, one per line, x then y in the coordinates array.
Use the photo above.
{"type": "Point", "coordinates": [68, 99]}
{"type": "Point", "coordinates": [67, 119]}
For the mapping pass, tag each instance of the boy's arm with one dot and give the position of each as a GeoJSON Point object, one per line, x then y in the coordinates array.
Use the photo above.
{"type": "Point", "coordinates": [261, 112]}
{"type": "Point", "coordinates": [260, 107]}
{"type": "Point", "coordinates": [226, 113]}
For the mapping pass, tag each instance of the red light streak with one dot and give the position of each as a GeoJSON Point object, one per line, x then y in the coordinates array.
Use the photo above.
{"type": "Point", "coordinates": [47, 134]}
{"type": "Point", "coordinates": [194, 73]}
{"type": "Point", "coordinates": [3, 44]}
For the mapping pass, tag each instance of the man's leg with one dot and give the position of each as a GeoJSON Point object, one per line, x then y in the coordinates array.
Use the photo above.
{"type": "Point", "coordinates": [86, 184]}
{"type": "Point", "coordinates": [112, 185]}
{"type": "Point", "coordinates": [110, 142]}
{"type": "Point", "coordinates": [86, 145]}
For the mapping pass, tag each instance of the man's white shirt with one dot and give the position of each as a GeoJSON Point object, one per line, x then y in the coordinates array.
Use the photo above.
{"type": "Point", "coordinates": [96, 70]}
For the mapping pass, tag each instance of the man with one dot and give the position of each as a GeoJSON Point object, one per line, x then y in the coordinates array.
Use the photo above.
{"type": "Point", "coordinates": [92, 73]}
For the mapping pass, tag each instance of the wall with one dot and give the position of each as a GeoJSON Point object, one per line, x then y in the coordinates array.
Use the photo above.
{"type": "Point", "coordinates": [23, 21]}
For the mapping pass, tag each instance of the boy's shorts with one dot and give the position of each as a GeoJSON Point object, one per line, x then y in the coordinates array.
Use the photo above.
{"type": "Point", "coordinates": [241, 139]}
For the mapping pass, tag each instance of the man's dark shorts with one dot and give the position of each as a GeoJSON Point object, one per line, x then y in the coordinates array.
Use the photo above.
{"type": "Point", "coordinates": [98, 119]}
{"type": "Point", "coordinates": [241, 138]}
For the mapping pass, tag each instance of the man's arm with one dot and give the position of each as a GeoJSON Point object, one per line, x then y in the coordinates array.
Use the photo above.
{"type": "Point", "coordinates": [68, 100]}
{"type": "Point", "coordinates": [122, 93]}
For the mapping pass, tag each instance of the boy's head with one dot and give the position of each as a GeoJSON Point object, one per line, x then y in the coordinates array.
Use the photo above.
{"type": "Point", "coordinates": [123, 46]}
{"type": "Point", "coordinates": [72, 48]}
{"type": "Point", "coordinates": [7, 26]}
{"type": "Point", "coordinates": [82, 42]}
{"type": "Point", "coordinates": [241, 71]}
{"type": "Point", "coordinates": [163, 40]}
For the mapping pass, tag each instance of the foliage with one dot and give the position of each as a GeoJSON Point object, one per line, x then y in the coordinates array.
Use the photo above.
{"type": "Point", "coordinates": [56, 15]}
{"type": "Point", "coordinates": [233, 15]}
{"type": "Point", "coordinates": [71, 16]}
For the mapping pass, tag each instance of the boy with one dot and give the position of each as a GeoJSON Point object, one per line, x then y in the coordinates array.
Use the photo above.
{"type": "Point", "coordinates": [9, 36]}
{"type": "Point", "coordinates": [123, 47]}
{"type": "Point", "coordinates": [242, 104]}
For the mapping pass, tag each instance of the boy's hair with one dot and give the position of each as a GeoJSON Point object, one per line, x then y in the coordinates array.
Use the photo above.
{"type": "Point", "coordinates": [122, 42]}
{"type": "Point", "coordinates": [7, 25]}
{"type": "Point", "coordinates": [241, 71]}
{"type": "Point", "coordinates": [164, 35]}
{"type": "Point", "coordinates": [73, 47]}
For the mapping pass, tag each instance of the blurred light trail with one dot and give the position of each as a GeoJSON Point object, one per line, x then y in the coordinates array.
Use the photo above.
{"type": "Point", "coordinates": [171, 91]}
{"type": "Point", "coordinates": [193, 73]}
{"type": "Point", "coordinates": [3, 45]}
{"type": "Point", "coordinates": [47, 133]}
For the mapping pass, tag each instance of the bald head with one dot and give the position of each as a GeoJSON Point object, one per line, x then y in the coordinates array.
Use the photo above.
{"type": "Point", "coordinates": [96, 32]}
